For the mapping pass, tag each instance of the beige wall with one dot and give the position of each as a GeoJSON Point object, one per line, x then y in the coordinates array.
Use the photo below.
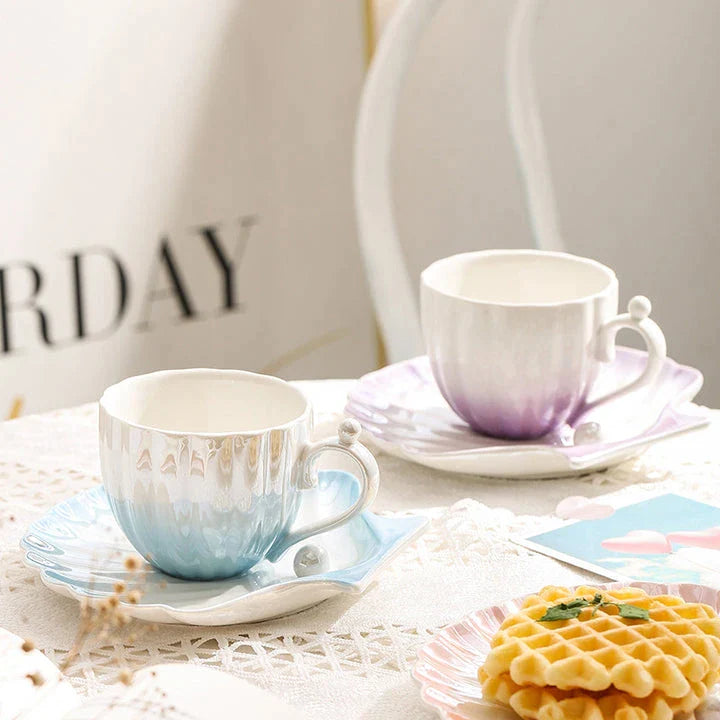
{"type": "Point", "coordinates": [630, 98]}
{"type": "Point", "coordinates": [124, 123]}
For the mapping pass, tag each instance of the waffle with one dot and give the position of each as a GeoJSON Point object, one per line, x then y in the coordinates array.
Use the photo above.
{"type": "Point", "coordinates": [546, 703]}
{"type": "Point", "coordinates": [678, 646]}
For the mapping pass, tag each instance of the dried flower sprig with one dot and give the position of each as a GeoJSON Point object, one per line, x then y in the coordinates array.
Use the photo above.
{"type": "Point", "coordinates": [107, 619]}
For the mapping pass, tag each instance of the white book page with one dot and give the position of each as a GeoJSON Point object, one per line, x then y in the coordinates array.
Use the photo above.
{"type": "Point", "coordinates": [184, 692]}
{"type": "Point", "coordinates": [31, 687]}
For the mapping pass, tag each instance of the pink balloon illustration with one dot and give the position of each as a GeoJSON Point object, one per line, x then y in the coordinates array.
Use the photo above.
{"type": "Point", "coordinates": [709, 538]}
{"type": "Point", "coordinates": [645, 542]}
{"type": "Point", "coordinates": [578, 507]}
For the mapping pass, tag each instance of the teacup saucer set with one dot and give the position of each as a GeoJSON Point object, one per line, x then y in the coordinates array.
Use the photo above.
{"type": "Point", "coordinates": [210, 489]}
{"type": "Point", "coordinates": [522, 378]}
{"type": "Point", "coordinates": [210, 479]}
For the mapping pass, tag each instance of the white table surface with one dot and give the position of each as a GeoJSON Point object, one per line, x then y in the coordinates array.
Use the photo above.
{"type": "Point", "coordinates": [351, 656]}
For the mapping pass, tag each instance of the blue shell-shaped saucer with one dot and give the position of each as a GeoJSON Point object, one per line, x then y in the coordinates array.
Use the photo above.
{"type": "Point", "coordinates": [80, 552]}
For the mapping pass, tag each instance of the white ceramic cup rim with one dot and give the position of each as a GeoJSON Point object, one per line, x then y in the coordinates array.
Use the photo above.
{"type": "Point", "coordinates": [111, 393]}
{"type": "Point", "coordinates": [428, 279]}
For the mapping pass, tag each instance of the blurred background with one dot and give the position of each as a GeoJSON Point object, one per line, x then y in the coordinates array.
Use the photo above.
{"type": "Point", "coordinates": [176, 180]}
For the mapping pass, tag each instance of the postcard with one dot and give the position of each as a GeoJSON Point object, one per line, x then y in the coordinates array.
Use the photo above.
{"type": "Point", "coordinates": [665, 539]}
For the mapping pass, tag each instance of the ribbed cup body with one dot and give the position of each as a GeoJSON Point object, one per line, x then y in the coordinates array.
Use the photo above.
{"type": "Point", "coordinates": [202, 507]}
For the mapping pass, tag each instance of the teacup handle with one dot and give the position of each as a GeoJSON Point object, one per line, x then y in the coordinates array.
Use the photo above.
{"type": "Point", "coordinates": [345, 442]}
{"type": "Point", "coordinates": [636, 318]}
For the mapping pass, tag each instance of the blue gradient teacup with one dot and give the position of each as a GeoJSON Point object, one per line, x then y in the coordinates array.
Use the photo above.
{"type": "Point", "coordinates": [204, 469]}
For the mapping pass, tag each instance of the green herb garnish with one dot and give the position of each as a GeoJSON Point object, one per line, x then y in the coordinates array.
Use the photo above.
{"type": "Point", "coordinates": [572, 609]}
{"type": "Point", "coordinates": [562, 612]}
{"type": "Point", "coordinates": [633, 612]}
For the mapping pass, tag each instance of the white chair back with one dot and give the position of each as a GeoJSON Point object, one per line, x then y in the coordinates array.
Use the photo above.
{"type": "Point", "coordinates": [391, 287]}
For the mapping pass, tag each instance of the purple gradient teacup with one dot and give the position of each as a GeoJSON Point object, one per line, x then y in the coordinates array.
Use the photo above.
{"type": "Point", "coordinates": [516, 337]}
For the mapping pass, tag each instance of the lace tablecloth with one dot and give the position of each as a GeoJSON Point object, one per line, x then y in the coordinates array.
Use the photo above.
{"type": "Point", "coordinates": [349, 657]}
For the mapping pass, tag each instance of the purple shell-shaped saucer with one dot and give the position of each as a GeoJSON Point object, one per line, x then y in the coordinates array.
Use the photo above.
{"type": "Point", "coordinates": [403, 413]}
{"type": "Point", "coordinates": [447, 666]}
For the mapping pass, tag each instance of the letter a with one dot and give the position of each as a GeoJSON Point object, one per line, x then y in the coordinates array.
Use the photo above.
{"type": "Point", "coordinates": [176, 289]}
